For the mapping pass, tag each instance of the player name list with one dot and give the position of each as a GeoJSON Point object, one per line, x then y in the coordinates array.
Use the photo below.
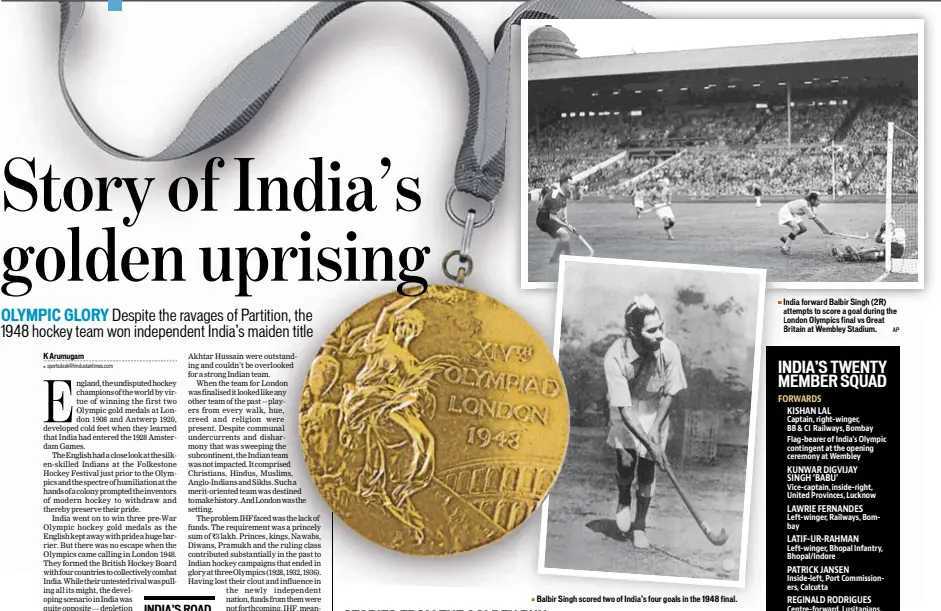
{"type": "Point", "coordinates": [833, 509]}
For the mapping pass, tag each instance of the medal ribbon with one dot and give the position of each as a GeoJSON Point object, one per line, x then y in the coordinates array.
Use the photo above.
{"type": "Point", "coordinates": [238, 98]}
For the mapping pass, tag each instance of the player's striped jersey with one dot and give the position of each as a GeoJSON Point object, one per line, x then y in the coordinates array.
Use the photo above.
{"type": "Point", "coordinates": [554, 202]}
{"type": "Point", "coordinates": [800, 207]}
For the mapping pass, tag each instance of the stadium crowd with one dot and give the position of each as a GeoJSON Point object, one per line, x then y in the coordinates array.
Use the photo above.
{"type": "Point", "coordinates": [731, 150]}
{"type": "Point", "coordinates": [568, 147]}
{"type": "Point", "coordinates": [869, 126]}
{"type": "Point", "coordinates": [809, 125]}
{"type": "Point", "coordinates": [722, 126]}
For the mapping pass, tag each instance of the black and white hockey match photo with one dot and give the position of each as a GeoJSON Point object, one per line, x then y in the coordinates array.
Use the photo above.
{"type": "Point", "coordinates": [661, 364]}
{"type": "Point", "coordinates": [790, 145]}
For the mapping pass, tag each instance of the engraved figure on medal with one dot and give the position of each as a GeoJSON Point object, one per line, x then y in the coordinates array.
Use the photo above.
{"type": "Point", "coordinates": [380, 415]}
{"type": "Point", "coordinates": [423, 427]}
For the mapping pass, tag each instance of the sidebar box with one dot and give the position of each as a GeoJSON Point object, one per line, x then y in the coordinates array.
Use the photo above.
{"type": "Point", "coordinates": [833, 417]}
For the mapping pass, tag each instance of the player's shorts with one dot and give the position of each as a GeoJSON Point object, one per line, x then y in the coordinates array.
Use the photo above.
{"type": "Point", "coordinates": [620, 437]}
{"type": "Point", "coordinates": [639, 205]}
{"type": "Point", "coordinates": [665, 213]}
{"type": "Point", "coordinates": [897, 250]}
{"type": "Point", "coordinates": [546, 224]}
{"type": "Point", "coordinates": [785, 217]}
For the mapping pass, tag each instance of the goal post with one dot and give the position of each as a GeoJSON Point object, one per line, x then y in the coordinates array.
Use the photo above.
{"type": "Point", "coordinates": [837, 180]}
{"type": "Point", "coordinates": [901, 201]}
{"type": "Point", "coordinates": [834, 194]}
{"type": "Point", "coordinates": [889, 158]}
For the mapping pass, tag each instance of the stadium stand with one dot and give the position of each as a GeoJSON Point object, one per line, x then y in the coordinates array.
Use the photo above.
{"type": "Point", "coordinates": [732, 137]}
{"type": "Point", "coordinates": [714, 168]}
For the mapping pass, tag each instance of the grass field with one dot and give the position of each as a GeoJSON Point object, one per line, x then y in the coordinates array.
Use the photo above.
{"type": "Point", "coordinates": [735, 235]}
{"type": "Point", "coordinates": [581, 533]}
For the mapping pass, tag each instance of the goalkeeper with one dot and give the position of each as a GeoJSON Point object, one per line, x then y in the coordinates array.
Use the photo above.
{"type": "Point", "coordinates": [877, 253]}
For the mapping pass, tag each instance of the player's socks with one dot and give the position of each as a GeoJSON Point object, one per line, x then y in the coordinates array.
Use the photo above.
{"type": "Point", "coordinates": [624, 495]}
{"type": "Point", "coordinates": [562, 248]}
{"type": "Point", "coordinates": [640, 518]}
{"type": "Point", "coordinates": [783, 240]}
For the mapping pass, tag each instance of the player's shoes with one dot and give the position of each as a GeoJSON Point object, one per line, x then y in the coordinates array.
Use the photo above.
{"type": "Point", "coordinates": [785, 250]}
{"type": "Point", "coordinates": [669, 237]}
{"type": "Point", "coordinates": [836, 253]}
{"type": "Point", "coordinates": [639, 538]}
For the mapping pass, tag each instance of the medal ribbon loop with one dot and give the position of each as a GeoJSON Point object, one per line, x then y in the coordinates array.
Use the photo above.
{"type": "Point", "coordinates": [481, 161]}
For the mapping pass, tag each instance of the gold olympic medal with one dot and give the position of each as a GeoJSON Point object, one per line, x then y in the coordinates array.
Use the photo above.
{"type": "Point", "coordinates": [435, 424]}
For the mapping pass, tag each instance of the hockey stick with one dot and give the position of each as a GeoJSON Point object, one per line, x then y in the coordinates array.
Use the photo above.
{"type": "Point", "coordinates": [850, 235]}
{"type": "Point", "coordinates": [655, 208]}
{"type": "Point", "coordinates": [591, 251]}
{"type": "Point", "coordinates": [715, 538]}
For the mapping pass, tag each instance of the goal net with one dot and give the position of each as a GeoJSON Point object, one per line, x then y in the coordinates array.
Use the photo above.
{"type": "Point", "coordinates": [901, 200]}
